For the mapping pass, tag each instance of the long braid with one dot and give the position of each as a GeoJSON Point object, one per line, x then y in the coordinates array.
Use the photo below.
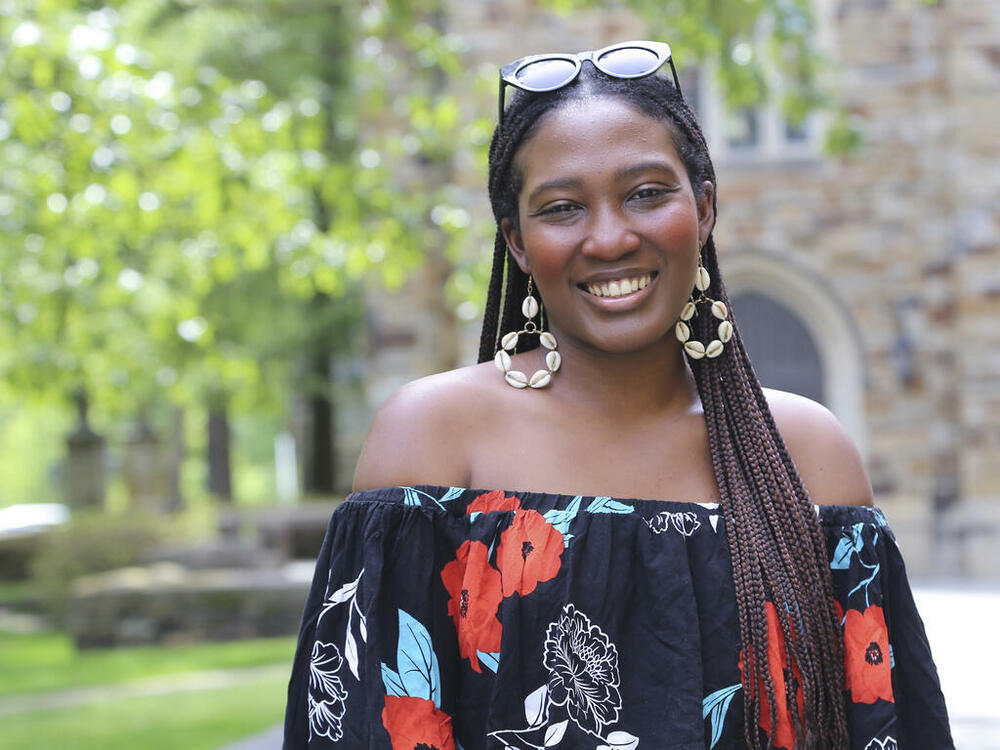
{"type": "Point", "coordinates": [775, 542]}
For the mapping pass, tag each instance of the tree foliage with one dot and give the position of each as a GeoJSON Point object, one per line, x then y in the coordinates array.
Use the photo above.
{"type": "Point", "coordinates": [193, 192]}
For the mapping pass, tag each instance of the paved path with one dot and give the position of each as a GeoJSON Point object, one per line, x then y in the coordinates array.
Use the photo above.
{"type": "Point", "coordinates": [962, 622]}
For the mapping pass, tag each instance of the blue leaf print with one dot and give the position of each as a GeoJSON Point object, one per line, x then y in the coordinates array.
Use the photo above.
{"type": "Point", "coordinates": [416, 661]}
{"type": "Point", "coordinates": [561, 519]}
{"type": "Point", "coordinates": [718, 704]}
{"type": "Point", "coordinates": [451, 494]}
{"type": "Point", "coordinates": [491, 660]}
{"type": "Point", "coordinates": [850, 543]}
{"type": "Point", "coordinates": [410, 496]}
{"type": "Point", "coordinates": [607, 505]}
{"type": "Point", "coordinates": [393, 685]}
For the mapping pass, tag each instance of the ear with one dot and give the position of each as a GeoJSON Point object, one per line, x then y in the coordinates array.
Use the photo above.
{"type": "Point", "coordinates": [515, 245]}
{"type": "Point", "coordinates": [706, 211]}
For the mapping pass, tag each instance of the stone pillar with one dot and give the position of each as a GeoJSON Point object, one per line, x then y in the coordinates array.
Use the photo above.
{"type": "Point", "coordinates": [84, 487]}
{"type": "Point", "coordinates": [143, 469]}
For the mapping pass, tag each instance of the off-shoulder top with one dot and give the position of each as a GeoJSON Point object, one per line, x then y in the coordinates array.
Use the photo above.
{"type": "Point", "coordinates": [443, 617]}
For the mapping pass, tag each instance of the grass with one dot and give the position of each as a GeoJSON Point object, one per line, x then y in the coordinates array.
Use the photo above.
{"type": "Point", "coordinates": [49, 661]}
{"type": "Point", "coordinates": [199, 720]}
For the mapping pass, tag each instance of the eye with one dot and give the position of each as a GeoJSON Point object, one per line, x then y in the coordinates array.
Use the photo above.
{"type": "Point", "coordinates": [557, 209]}
{"type": "Point", "coordinates": [649, 193]}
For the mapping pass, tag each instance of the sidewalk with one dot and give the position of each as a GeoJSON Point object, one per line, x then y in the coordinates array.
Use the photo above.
{"type": "Point", "coordinates": [962, 621]}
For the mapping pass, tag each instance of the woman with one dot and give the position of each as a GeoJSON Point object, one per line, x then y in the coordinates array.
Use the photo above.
{"type": "Point", "coordinates": [551, 608]}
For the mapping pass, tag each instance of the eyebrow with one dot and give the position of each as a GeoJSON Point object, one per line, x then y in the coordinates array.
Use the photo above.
{"type": "Point", "coordinates": [565, 182]}
{"type": "Point", "coordinates": [630, 171]}
{"type": "Point", "coordinates": [647, 166]}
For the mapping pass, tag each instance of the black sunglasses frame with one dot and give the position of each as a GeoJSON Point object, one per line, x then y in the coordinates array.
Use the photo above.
{"type": "Point", "coordinates": [508, 73]}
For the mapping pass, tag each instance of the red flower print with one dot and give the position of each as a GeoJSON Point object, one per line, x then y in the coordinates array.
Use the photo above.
{"type": "Point", "coordinates": [474, 587]}
{"type": "Point", "coordinates": [416, 723]}
{"type": "Point", "coordinates": [530, 552]}
{"type": "Point", "coordinates": [783, 676]}
{"type": "Point", "coordinates": [867, 665]}
{"type": "Point", "coordinates": [492, 502]}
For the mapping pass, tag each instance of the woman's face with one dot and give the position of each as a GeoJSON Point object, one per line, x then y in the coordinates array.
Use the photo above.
{"type": "Point", "coordinates": [609, 224]}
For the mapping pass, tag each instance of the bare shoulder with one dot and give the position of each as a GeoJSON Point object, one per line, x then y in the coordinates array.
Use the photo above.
{"type": "Point", "coordinates": [825, 455]}
{"type": "Point", "coordinates": [420, 435]}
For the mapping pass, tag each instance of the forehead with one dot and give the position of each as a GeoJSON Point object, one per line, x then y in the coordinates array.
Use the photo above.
{"type": "Point", "coordinates": [591, 137]}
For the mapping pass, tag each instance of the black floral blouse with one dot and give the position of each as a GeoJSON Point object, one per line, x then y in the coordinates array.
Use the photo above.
{"type": "Point", "coordinates": [459, 619]}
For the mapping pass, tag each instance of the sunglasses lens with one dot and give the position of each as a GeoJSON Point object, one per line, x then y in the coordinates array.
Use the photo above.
{"type": "Point", "coordinates": [545, 75]}
{"type": "Point", "coordinates": [629, 62]}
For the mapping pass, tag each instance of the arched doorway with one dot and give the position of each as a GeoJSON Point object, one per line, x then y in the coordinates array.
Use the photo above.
{"type": "Point", "coordinates": [799, 333]}
{"type": "Point", "coordinates": [783, 351]}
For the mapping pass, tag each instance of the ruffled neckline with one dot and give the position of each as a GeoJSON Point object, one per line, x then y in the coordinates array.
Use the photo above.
{"type": "Point", "coordinates": [829, 514]}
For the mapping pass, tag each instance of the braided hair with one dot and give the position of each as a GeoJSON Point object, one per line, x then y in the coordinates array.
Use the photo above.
{"type": "Point", "coordinates": [779, 558]}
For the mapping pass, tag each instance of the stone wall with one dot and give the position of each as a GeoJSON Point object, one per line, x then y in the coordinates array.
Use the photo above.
{"type": "Point", "coordinates": [903, 235]}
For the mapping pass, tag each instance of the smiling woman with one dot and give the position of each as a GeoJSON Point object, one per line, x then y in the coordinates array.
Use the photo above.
{"type": "Point", "coordinates": [554, 607]}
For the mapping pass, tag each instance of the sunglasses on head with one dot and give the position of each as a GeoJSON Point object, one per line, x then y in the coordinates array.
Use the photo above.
{"type": "Point", "coordinates": [549, 72]}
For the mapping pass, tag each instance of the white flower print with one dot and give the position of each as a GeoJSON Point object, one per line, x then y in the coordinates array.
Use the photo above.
{"type": "Point", "coordinates": [583, 671]}
{"type": "Point", "coordinates": [683, 522]}
{"type": "Point", "coordinates": [327, 695]}
{"type": "Point", "coordinates": [889, 743]}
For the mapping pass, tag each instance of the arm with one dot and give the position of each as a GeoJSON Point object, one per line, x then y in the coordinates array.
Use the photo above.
{"type": "Point", "coordinates": [823, 452]}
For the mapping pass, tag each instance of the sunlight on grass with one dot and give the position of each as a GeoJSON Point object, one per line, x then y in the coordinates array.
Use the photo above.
{"type": "Point", "coordinates": [200, 720]}
{"type": "Point", "coordinates": [49, 661]}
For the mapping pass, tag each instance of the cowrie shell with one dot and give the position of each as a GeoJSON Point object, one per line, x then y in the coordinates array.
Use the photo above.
{"type": "Point", "coordinates": [702, 280]}
{"type": "Point", "coordinates": [517, 379]}
{"type": "Point", "coordinates": [547, 340]}
{"type": "Point", "coordinates": [502, 361]}
{"type": "Point", "coordinates": [725, 331]}
{"type": "Point", "coordinates": [694, 349]}
{"type": "Point", "coordinates": [553, 360]}
{"type": "Point", "coordinates": [509, 341]}
{"type": "Point", "coordinates": [682, 331]}
{"type": "Point", "coordinates": [529, 307]}
{"type": "Point", "coordinates": [714, 348]}
{"type": "Point", "coordinates": [688, 311]}
{"type": "Point", "coordinates": [540, 379]}
{"type": "Point", "coordinates": [719, 310]}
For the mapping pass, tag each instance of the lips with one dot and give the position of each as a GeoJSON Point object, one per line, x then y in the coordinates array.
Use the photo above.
{"type": "Point", "coordinates": [618, 287]}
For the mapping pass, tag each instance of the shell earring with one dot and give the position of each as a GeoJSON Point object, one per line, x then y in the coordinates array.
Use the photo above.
{"type": "Point", "coordinates": [696, 349]}
{"type": "Point", "coordinates": [508, 343]}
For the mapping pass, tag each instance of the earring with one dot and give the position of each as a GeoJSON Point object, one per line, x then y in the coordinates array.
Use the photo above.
{"type": "Point", "coordinates": [508, 343]}
{"type": "Point", "coordinates": [696, 349]}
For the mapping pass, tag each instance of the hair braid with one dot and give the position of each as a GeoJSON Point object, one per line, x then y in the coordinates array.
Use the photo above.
{"type": "Point", "coordinates": [775, 542]}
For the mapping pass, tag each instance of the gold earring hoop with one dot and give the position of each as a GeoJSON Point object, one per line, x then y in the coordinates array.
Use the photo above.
{"type": "Point", "coordinates": [553, 359]}
{"type": "Point", "coordinates": [724, 332]}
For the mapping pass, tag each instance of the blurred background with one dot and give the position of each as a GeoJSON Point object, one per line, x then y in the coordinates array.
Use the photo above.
{"type": "Point", "coordinates": [230, 228]}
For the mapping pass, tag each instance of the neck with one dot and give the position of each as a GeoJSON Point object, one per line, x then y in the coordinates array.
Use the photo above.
{"type": "Point", "coordinates": [637, 385]}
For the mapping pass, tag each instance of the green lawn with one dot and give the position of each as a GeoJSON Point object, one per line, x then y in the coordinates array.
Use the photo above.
{"type": "Point", "coordinates": [49, 661]}
{"type": "Point", "coordinates": [201, 720]}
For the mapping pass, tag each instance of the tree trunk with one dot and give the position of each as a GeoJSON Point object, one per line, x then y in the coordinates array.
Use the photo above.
{"type": "Point", "coordinates": [321, 470]}
{"type": "Point", "coordinates": [219, 464]}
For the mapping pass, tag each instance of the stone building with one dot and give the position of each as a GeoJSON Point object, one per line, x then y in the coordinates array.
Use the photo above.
{"type": "Point", "coordinates": [870, 282]}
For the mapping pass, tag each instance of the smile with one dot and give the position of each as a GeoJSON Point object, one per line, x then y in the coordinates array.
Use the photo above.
{"type": "Point", "coordinates": [618, 287]}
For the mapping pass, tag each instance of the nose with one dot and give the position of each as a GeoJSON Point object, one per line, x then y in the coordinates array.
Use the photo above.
{"type": "Point", "coordinates": [609, 236]}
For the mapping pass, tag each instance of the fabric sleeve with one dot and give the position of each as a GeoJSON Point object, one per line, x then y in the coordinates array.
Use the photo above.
{"type": "Point", "coordinates": [297, 706]}
{"type": "Point", "coordinates": [920, 707]}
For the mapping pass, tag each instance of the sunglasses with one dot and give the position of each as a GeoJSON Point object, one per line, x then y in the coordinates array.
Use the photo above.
{"type": "Point", "coordinates": [553, 71]}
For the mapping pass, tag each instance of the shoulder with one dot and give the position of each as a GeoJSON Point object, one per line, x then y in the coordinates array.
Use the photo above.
{"type": "Point", "coordinates": [823, 452]}
{"type": "Point", "coordinates": [420, 434]}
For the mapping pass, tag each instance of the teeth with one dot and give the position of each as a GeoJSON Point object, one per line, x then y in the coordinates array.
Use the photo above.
{"type": "Point", "coordinates": [619, 287]}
